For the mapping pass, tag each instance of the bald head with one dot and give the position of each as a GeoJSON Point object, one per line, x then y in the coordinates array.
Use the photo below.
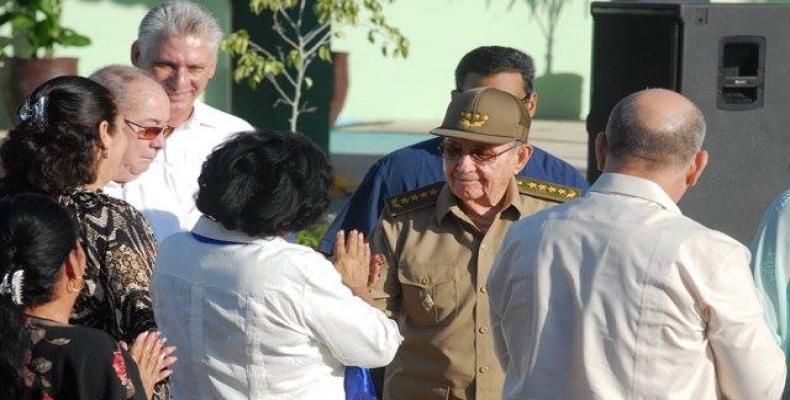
{"type": "Point", "coordinates": [655, 127]}
{"type": "Point", "coordinates": [128, 84]}
{"type": "Point", "coordinates": [144, 104]}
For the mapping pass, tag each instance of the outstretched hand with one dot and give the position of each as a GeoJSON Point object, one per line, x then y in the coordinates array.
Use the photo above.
{"type": "Point", "coordinates": [354, 263]}
{"type": "Point", "coordinates": [153, 359]}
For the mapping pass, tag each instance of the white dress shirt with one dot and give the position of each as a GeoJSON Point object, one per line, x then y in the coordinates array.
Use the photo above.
{"type": "Point", "coordinates": [260, 318]}
{"type": "Point", "coordinates": [165, 193]}
{"type": "Point", "coordinates": [617, 295]}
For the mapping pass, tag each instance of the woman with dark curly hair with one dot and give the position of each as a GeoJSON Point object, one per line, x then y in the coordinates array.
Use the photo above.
{"type": "Point", "coordinates": [67, 145]}
{"type": "Point", "coordinates": [256, 315]}
{"type": "Point", "coordinates": [42, 356]}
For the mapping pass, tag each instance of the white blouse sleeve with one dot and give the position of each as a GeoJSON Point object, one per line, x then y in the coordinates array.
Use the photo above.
{"type": "Point", "coordinates": [355, 332]}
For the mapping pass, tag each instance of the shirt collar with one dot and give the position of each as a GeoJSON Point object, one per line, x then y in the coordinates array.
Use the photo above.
{"type": "Point", "coordinates": [628, 185]}
{"type": "Point", "coordinates": [199, 117]}
{"type": "Point", "coordinates": [211, 229]}
{"type": "Point", "coordinates": [448, 202]}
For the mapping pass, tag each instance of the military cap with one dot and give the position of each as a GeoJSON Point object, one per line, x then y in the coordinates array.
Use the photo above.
{"type": "Point", "coordinates": [485, 115]}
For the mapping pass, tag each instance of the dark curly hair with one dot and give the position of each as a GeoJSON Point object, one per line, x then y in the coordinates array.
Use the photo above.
{"type": "Point", "coordinates": [57, 147]}
{"type": "Point", "coordinates": [36, 236]}
{"type": "Point", "coordinates": [265, 183]}
{"type": "Point", "coordinates": [491, 60]}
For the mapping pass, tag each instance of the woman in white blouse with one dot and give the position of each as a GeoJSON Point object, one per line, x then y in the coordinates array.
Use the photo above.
{"type": "Point", "coordinates": [252, 315]}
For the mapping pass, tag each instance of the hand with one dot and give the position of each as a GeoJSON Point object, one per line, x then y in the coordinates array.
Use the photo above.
{"type": "Point", "coordinates": [376, 262]}
{"type": "Point", "coordinates": [352, 259]}
{"type": "Point", "coordinates": [153, 359]}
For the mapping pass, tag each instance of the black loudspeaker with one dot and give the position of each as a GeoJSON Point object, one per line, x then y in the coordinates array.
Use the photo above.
{"type": "Point", "coordinates": [733, 61]}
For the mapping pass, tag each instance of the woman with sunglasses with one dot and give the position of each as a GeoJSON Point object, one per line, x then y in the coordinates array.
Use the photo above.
{"type": "Point", "coordinates": [68, 144]}
{"type": "Point", "coordinates": [43, 356]}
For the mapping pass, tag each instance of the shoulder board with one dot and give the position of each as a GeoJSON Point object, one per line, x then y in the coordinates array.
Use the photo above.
{"type": "Point", "coordinates": [416, 199]}
{"type": "Point", "coordinates": [547, 190]}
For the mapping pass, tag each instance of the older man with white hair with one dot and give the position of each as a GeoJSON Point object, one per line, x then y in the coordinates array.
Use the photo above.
{"type": "Point", "coordinates": [177, 42]}
{"type": "Point", "coordinates": [618, 295]}
{"type": "Point", "coordinates": [439, 242]}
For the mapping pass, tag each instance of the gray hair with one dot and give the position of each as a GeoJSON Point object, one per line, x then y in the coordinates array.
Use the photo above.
{"type": "Point", "coordinates": [177, 18]}
{"type": "Point", "coordinates": [673, 142]}
{"type": "Point", "coordinates": [116, 79]}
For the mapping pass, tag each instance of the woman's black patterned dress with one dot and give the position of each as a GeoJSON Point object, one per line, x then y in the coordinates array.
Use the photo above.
{"type": "Point", "coordinates": [121, 251]}
{"type": "Point", "coordinates": [55, 365]}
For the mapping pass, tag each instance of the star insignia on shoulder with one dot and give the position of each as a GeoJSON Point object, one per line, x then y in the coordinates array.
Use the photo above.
{"type": "Point", "coordinates": [547, 190]}
{"type": "Point", "coordinates": [414, 200]}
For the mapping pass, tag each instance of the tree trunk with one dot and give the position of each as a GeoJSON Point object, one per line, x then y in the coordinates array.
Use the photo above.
{"type": "Point", "coordinates": [549, 51]}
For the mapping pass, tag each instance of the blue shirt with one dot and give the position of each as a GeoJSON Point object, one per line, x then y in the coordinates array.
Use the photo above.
{"type": "Point", "coordinates": [771, 264]}
{"type": "Point", "coordinates": [420, 165]}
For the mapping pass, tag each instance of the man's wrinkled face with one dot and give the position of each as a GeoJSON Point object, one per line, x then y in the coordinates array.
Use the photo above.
{"type": "Point", "coordinates": [479, 172]}
{"type": "Point", "coordinates": [183, 65]}
{"type": "Point", "coordinates": [147, 106]}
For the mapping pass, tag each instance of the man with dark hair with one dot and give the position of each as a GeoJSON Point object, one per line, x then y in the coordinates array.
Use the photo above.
{"type": "Point", "coordinates": [420, 165]}
{"type": "Point", "coordinates": [618, 295]}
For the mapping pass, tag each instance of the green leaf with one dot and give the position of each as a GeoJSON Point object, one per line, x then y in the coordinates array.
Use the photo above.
{"type": "Point", "coordinates": [48, 7]}
{"type": "Point", "coordinates": [22, 21]}
{"type": "Point", "coordinates": [324, 53]}
{"type": "Point", "coordinates": [308, 82]}
{"type": "Point", "coordinates": [46, 33]}
{"type": "Point", "coordinates": [71, 38]}
{"type": "Point", "coordinates": [294, 58]}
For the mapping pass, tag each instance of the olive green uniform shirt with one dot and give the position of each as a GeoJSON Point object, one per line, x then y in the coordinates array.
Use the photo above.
{"type": "Point", "coordinates": [433, 283]}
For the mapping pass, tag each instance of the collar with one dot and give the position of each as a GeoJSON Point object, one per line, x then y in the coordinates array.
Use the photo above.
{"type": "Point", "coordinates": [628, 185]}
{"type": "Point", "coordinates": [199, 117]}
{"type": "Point", "coordinates": [448, 202]}
{"type": "Point", "coordinates": [213, 230]}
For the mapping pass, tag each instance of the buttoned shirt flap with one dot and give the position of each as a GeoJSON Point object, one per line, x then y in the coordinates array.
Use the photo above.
{"type": "Point", "coordinates": [419, 284]}
{"type": "Point", "coordinates": [429, 293]}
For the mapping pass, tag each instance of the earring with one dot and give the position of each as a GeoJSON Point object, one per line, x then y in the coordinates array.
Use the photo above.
{"type": "Point", "coordinates": [74, 286]}
{"type": "Point", "coordinates": [105, 154]}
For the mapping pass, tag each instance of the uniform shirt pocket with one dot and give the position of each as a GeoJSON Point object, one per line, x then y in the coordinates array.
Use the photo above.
{"type": "Point", "coordinates": [429, 293]}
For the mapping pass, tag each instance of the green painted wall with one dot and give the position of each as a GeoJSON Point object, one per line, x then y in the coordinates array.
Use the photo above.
{"type": "Point", "coordinates": [441, 32]}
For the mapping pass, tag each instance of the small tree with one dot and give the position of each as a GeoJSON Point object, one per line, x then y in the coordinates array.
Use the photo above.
{"type": "Point", "coordinates": [255, 62]}
{"type": "Point", "coordinates": [546, 14]}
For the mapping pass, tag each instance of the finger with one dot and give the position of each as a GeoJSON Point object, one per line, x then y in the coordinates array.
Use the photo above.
{"type": "Point", "coordinates": [376, 263]}
{"type": "Point", "coordinates": [169, 361]}
{"type": "Point", "coordinates": [352, 241]}
{"type": "Point", "coordinates": [373, 278]}
{"type": "Point", "coordinates": [149, 350]}
{"type": "Point", "coordinates": [340, 244]}
{"type": "Point", "coordinates": [163, 374]}
{"type": "Point", "coordinates": [366, 250]}
{"type": "Point", "coordinates": [138, 345]}
{"type": "Point", "coordinates": [360, 244]}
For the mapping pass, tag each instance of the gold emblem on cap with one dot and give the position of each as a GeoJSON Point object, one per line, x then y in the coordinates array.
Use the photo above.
{"type": "Point", "coordinates": [473, 120]}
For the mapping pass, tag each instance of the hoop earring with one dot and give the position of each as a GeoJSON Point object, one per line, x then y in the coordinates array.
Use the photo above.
{"type": "Point", "coordinates": [73, 286]}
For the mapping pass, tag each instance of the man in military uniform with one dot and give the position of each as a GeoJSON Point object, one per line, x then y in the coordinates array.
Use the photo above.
{"type": "Point", "coordinates": [439, 243]}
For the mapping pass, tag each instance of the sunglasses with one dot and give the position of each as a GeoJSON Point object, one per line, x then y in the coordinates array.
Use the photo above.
{"type": "Point", "coordinates": [149, 132]}
{"type": "Point", "coordinates": [452, 152]}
